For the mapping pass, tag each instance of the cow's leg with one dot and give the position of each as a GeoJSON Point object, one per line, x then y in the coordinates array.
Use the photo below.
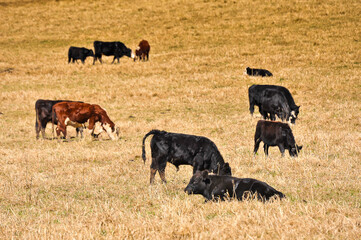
{"type": "Point", "coordinates": [282, 149]}
{"type": "Point", "coordinates": [161, 170]}
{"type": "Point", "coordinates": [37, 128]}
{"type": "Point", "coordinates": [158, 164]}
{"type": "Point", "coordinates": [272, 116]}
{"type": "Point", "coordinates": [43, 126]}
{"type": "Point", "coordinates": [80, 129]}
{"type": "Point", "coordinates": [83, 60]}
{"type": "Point", "coordinates": [265, 147]}
{"type": "Point", "coordinates": [152, 174]}
{"type": "Point", "coordinates": [69, 60]}
{"type": "Point", "coordinates": [148, 56]}
{"type": "Point", "coordinates": [198, 163]}
{"type": "Point", "coordinates": [60, 129]}
{"type": "Point", "coordinates": [113, 59]}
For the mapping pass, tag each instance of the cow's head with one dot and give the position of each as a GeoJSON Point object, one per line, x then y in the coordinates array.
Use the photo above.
{"type": "Point", "coordinates": [294, 114]}
{"type": "Point", "coordinates": [294, 150]}
{"type": "Point", "coordinates": [225, 170]}
{"type": "Point", "coordinates": [113, 132]}
{"type": "Point", "coordinates": [128, 52]}
{"type": "Point", "coordinates": [138, 53]}
{"type": "Point", "coordinates": [247, 71]}
{"type": "Point", "coordinates": [90, 53]}
{"type": "Point", "coordinates": [198, 183]}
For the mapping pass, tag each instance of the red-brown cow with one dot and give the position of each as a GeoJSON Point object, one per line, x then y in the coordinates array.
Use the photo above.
{"type": "Point", "coordinates": [81, 114]}
{"type": "Point", "coordinates": [142, 50]}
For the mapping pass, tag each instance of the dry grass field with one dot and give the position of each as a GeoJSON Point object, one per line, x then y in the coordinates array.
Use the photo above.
{"type": "Point", "coordinates": [194, 84]}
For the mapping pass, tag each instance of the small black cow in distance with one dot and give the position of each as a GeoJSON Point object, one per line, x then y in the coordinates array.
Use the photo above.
{"type": "Point", "coordinates": [76, 53]}
{"type": "Point", "coordinates": [257, 92]}
{"type": "Point", "coordinates": [214, 187]}
{"type": "Point", "coordinates": [182, 149]}
{"type": "Point", "coordinates": [258, 72]}
{"type": "Point", "coordinates": [142, 50]}
{"type": "Point", "coordinates": [116, 49]}
{"type": "Point", "coordinates": [43, 113]}
{"type": "Point", "coordinates": [275, 134]}
{"type": "Point", "coordinates": [274, 103]}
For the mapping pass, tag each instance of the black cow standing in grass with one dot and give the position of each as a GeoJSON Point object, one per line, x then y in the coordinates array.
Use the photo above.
{"type": "Point", "coordinates": [76, 53]}
{"type": "Point", "coordinates": [258, 72]}
{"type": "Point", "coordinates": [43, 111]}
{"type": "Point", "coordinates": [273, 103]}
{"type": "Point", "coordinates": [116, 49]}
{"type": "Point", "coordinates": [214, 187]}
{"type": "Point", "coordinates": [256, 92]}
{"type": "Point", "coordinates": [182, 149]}
{"type": "Point", "coordinates": [275, 134]}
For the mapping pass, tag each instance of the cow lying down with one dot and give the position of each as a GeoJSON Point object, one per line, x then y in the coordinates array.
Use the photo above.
{"type": "Point", "coordinates": [214, 187]}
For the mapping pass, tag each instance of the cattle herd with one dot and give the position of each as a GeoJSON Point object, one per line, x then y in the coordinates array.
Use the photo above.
{"type": "Point", "coordinates": [116, 49]}
{"type": "Point", "coordinates": [182, 149]}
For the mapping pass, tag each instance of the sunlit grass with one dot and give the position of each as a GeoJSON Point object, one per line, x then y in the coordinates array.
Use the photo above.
{"type": "Point", "coordinates": [193, 83]}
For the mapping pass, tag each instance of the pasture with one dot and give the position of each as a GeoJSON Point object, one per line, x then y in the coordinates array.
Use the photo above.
{"type": "Point", "coordinates": [193, 83]}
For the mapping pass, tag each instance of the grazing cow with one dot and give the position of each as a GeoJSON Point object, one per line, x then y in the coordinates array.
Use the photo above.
{"type": "Point", "coordinates": [275, 134]}
{"type": "Point", "coordinates": [214, 187]}
{"type": "Point", "coordinates": [43, 116]}
{"type": "Point", "coordinates": [76, 53]}
{"type": "Point", "coordinates": [142, 50]}
{"type": "Point", "coordinates": [116, 49]}
{"type": "Point", "coordinates": [183, 149]}
{"type": "Point", "coordinates": [256, 92]}
{"type": "Point", "coordinates": [274, 103]}
{"type": "Point", "coordinates": [258, 72]}
{"type": "Point", "coordinates": [82, 114]}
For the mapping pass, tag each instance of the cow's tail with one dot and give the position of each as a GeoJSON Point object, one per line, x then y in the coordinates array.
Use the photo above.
{"type": "Point", "coordinates": [152, 132]}
{"type": "Point", "coordinates": [37, 123]}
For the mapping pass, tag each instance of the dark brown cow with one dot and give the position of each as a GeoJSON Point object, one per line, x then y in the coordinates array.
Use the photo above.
{"type": "Point", "coordinates": [275, 134]}
{"type": "Point", "coordinates": [142, 50]}
{"type": "Point", "coordinates": [81, 114]}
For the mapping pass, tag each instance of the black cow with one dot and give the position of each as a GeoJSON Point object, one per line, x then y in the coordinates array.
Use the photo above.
{"type": "Point", "coordinates": [274, 103]}
{"type": "Point", "coordinates": [116, 49]}
{"type": "Point", "coordinates": [182, 149]}
{"type": "Point", "coordinates": [258, 72]}
{"type": "Point", "coordinates": [214, 187]}
{"type": "Point", "coordinates": [43, 113]}
{"type": "Point", "coordinates": [275, 134]}
{"type": "Point", "coordinates": [256, 92]}
{"type": "Point", "coordinates": [76, 53]}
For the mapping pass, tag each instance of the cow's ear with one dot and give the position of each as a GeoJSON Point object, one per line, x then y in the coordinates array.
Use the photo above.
{"type": "Point", "coordinates": [205, 174]}
{"type": "Point", "coordinates": [299, 147]}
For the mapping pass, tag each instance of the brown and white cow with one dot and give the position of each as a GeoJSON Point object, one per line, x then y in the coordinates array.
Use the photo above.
{"type": "Point", "coordinates": [142, 50]}
{"type": "Point", "coordinates": [83, 115]}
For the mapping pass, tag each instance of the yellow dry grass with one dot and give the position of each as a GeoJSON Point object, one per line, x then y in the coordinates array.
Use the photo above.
{"type": "Point", "coordinates": [193, 84]}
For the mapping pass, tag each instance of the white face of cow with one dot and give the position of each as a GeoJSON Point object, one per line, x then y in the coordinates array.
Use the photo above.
{"type": "Point", "coordinates": [245, 72]}
{"type": "Point", "coordinates": [293, 114]}
{"type": "Point", "coordinates": [112, 134]}
{"type": "Point", "coordinates": [132, 55]}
